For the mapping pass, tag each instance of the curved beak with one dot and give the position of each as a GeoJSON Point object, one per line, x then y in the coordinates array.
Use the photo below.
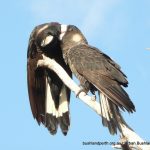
{"type": "Point", "coordinates": [63, 31]}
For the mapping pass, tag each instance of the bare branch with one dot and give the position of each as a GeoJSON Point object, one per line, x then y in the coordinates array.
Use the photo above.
{"type": "Point", "coordinates": [128, 136]}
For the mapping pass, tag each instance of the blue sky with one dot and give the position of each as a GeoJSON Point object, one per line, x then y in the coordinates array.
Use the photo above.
{"type": "Point", "coordinates": [119, 28]}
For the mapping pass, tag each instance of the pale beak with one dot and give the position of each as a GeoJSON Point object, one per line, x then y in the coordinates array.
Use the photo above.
{"type": "Point", "coordinates": [63, 31]}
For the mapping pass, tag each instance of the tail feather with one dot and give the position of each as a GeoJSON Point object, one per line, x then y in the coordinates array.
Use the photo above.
{"type": "Point", "coordinates": [107, 116]}
{"type": "Point", "coordinates": [51, 114]}
{"type": "Point", "coordinates": [64, 118]}
{"type": "Point", "coordinates": [51, 123]}
{"type": "Point", "coordinates": [64, 122]}
{"type": "Point", "coordinates": [111, 115]}
{"type": "Point", "coordinates": [57, 116]}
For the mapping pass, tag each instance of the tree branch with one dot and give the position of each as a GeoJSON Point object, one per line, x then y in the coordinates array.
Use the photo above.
{"type": "Point", "coordinates": [129, 139]}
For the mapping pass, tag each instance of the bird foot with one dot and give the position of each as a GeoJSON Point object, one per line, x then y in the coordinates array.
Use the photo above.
{"type": "Point", "coordinates": [81, 90]}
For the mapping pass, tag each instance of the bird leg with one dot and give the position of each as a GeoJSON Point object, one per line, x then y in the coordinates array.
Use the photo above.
{"type": "Point", "coordinates": [94, 96]}
{"type": "Point", "coordinates": [82, 89]}
{"type": "Point", "coordinates": [85, 87]}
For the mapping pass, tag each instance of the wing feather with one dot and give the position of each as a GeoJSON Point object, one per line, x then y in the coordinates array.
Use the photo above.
{"type": "Point", "coordinates": [36, 89]}
{"type": "Point", "coordinates": [101, 71]}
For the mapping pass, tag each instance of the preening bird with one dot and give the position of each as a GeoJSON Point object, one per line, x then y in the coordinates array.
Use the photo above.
{"type": "Point", "coordinates": [49, 97]}
{"type": "Point", "coordinates": [96, 71]}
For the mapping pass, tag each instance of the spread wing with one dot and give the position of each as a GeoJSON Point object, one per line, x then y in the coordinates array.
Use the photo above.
{"type": "Point", "coordinates": [102, 72]}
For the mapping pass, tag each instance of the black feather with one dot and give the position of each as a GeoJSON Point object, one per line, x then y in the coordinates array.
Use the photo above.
{"type": "Point", "coordinates": [38, 77]}
{"type": "Point", "coordinates": [100, 73]}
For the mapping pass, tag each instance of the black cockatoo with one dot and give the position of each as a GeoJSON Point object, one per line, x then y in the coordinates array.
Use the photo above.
{"type": "Point", "coordinates": [49, 97]}
{"type": "Point", "coordinates": [96, 71]}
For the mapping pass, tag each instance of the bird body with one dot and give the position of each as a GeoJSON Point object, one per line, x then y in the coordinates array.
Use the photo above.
{"type": "Point", "coordinates": [49, 97]}
{"type": "Point", "coordinates": [97, 72]}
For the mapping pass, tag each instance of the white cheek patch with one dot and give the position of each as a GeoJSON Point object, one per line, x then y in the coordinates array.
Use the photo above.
{"type": "Point", "coordinates": [76, 38]}
{"type": "Point", "coordinates": [63, 31]}
{"type": "Point", "coordinates": [47, 40]}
